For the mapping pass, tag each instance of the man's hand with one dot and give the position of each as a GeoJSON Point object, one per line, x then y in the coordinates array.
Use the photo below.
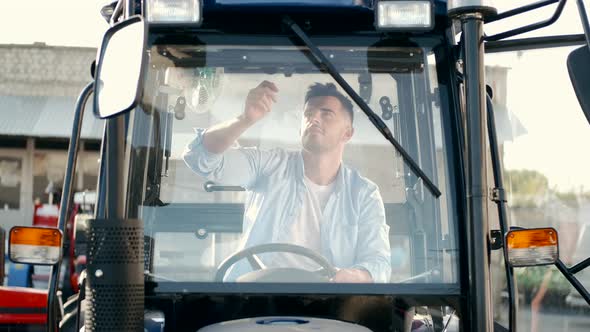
{"type": "Point", "coordinates": [220, 137]}
{"type": "Point", "coordinates": [259, 101]}
{"type": "Point", "coordinates": [352, 275]}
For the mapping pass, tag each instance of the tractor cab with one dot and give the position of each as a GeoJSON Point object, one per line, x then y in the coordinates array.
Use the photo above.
{"type": "Point", "coordinates": [212, 233]}
{"type": "Point", "coordinates": [295, 166]}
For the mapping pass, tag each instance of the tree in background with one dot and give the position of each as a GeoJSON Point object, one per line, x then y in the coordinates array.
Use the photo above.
{"type": "Point", "coordinates": [533, 203]}
{"type": "Point", "coordinates": [527, 188]}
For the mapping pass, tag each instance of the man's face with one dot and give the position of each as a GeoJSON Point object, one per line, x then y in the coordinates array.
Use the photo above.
{"type": "Point", "coordinates": [325, 125]}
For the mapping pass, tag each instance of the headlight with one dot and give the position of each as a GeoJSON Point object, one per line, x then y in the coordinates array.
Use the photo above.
{"type": "Point", "coordinates": [174, 11]}
{"type": "Point", "coordinates": [404, 15]}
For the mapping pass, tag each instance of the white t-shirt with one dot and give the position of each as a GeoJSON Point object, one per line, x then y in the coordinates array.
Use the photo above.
{"type": "Point", "coordinates": [305, 230]}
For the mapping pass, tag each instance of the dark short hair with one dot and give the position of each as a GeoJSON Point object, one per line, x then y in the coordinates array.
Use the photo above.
{"type": "Point", "coordinates": [329, 89]}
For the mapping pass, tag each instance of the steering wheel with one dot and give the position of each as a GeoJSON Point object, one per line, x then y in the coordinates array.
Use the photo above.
{"type": "Point", "coordinates": [262, 273]}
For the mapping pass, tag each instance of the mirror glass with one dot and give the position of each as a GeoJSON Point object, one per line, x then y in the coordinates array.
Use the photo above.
{"type": "Point", "coordinates": [120, 68]}
{"type": "Point", "coordinates": [578, 66]}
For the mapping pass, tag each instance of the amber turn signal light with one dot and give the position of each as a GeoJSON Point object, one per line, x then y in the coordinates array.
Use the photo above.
{"type": "Point", "coordinates": [35, 245]}
{"type": "Point", "coordinates": [532, 247]}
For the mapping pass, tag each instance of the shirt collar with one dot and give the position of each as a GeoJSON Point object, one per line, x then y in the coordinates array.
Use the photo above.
{"type": "Point", "coordinates": [339, 181]}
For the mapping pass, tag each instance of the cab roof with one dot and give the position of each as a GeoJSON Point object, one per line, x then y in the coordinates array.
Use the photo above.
{"type": "Point", "coordinates": [300, 3]}
{"type": "Point", "coordinates": [308, 6]}
{"type": "Point", "coordinates": [316, 16]}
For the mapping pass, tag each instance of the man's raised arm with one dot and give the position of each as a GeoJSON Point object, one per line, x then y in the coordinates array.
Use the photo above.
{"type": "Point", "coordinates": [220, 137]}
{"type": "Point", "coordinates": [208, 154]}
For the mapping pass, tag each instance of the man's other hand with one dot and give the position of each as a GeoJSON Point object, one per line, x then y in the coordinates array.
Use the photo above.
{"type": "Point", "coordinates": [259, 101]}
{"type": "Point", "coordinates": [352, 275]}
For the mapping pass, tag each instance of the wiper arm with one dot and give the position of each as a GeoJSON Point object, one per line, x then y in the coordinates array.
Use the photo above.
{"type": "Point", "coordinates": [375, 120]}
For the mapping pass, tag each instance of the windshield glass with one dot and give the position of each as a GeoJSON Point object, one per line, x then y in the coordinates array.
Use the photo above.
{"type": "Point", "coordinates": [250, 164]}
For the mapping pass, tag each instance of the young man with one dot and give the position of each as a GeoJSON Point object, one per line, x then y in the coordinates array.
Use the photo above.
{"type": "Point", "coordinates": [307, 197]}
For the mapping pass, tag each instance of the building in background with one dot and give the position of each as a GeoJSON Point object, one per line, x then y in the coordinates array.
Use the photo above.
{"type": "Point", "coordinates": [39, 86]}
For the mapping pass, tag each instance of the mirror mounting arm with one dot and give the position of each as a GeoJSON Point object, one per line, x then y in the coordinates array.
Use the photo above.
{"type": "Point", "coordinates": [530, 27]}
{"type": "Point", "coordinates": [580, 266]}
{"type": "Point", "coordinates": [567, 273]}
{"type": "Point", "coordinates": [519, 10]}
{"type": "Point", "coordinates": [66, 197]}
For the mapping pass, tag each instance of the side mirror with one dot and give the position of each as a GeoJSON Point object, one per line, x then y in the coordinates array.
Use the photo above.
{"type": "Point", "coordinates": [35, 245]}
{"type": "Point", "coordinates": [120, 68]}
{"type": "Point", "coordinates": [578, 66]}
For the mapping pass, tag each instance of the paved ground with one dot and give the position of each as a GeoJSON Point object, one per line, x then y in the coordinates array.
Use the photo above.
{"type": "Point", "coordinates": [554, 321]}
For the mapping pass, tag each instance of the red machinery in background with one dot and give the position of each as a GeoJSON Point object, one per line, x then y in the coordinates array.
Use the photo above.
{"type": "Point", "coordinates": [22, 305]}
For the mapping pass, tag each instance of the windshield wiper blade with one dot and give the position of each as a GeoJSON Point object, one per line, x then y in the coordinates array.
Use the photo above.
{"type": "Point", "coordinates": [375, 120]}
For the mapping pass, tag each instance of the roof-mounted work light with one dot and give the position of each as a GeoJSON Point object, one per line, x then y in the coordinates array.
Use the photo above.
{"type": "Point", "coordinates": [174, 11]}
{"type": "Point", "coordinates": [404, 15]}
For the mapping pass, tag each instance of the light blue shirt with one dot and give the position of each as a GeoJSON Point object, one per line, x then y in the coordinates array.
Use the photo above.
{"type": "Point", "coordinates": [353, 230]}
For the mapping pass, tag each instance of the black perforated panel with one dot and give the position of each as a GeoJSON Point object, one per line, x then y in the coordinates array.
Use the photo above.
{"type": "Point", "coordinates": [113, 244]}
{"type": "Point", "coordinates": [115, 283]}
{"type": "Point", "coordinates": [114, 308]}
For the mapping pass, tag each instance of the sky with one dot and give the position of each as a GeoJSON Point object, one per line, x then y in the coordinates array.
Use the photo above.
{"type": "Point", "coordinates": [55, 22]}
{"type": "Point", "coordinates": [79, 23]}
{"type": "Point", "coordinates": [541, 96]}
{"type": "Point", "coordinates": [539, 91]}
